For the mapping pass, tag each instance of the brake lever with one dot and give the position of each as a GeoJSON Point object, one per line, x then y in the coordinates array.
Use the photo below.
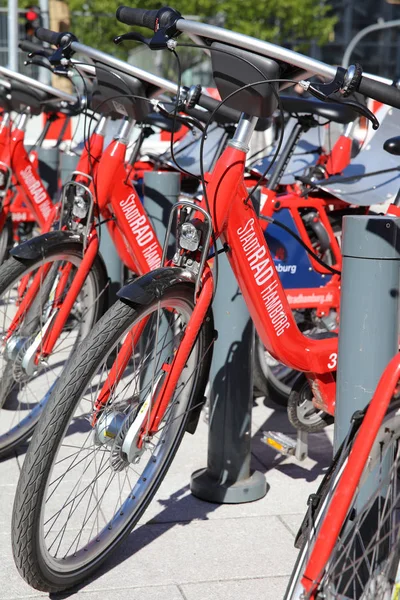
{"type": "Point", "coordinates": [363, 110]}
{"type": "Point", "coordinates": [33, 54]}
{"type": "Point", "coordinates": [159, 41]}
{"type": "Point", "coordinates": [132, 36]}
{"type": "Point", "coordinates": [40, 62]}
{"type": "Point", "coordinates": [346, 81]}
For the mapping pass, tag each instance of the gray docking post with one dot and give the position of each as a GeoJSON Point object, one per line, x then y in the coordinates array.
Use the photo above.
{"type": "Point", "coordinates": [67, 165]}
{"type": "Point", "coordinates": [227, 477]}
{"type": "Point", "coordinates": [369, 312]}
{"type": "Point", "coordinates": [48, 169]}
{"type": "Point", "coordinates": [161, 192]}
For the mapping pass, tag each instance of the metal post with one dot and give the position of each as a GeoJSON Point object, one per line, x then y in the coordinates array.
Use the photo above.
{"type": "Point", "coordinates": [375, 27]}
{"type": "Point", "coordinates": [13, 34]}
{"type": "Point", "coordinates": [48, 169]}
{"type": "Point", "coordinates": [44, 74]}
{"type": "Point", "coordinates": [227, 477]}
{"type": "Point", "coordinates": [67, 165]}
{"type": "Point", "coordinates": [114, 266]}
{"type": "Point", "coordinates": [369, 312]}
{"type": "Point", "coordinates": [161, 191]}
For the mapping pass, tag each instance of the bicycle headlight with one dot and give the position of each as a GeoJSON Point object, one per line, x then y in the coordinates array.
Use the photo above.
{"type": "Point", "coordinates": [189, 238]}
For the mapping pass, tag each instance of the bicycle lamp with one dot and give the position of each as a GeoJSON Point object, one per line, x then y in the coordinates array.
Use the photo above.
{"type": "Point", "coordinates": [189, 237]}
{"type": "Point", "coordinates": [80, 206]}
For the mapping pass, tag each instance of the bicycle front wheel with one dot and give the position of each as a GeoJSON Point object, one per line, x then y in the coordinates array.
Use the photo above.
{"type": "Point", "coordinates": [365, 562]}
{"type": "Point", "coordinates": [24, 391]}
{"type": "Point", "coordinates": [83, 487]}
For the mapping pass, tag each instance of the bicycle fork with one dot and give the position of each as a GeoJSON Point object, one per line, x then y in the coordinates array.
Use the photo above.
{"type": "Point", "coordinates": [154, 407]}
{"type": "Point", "coordinates": [56, 318]}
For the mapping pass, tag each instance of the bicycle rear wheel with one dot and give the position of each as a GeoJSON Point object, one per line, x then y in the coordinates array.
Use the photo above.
{"type": "Point", "coordinates": [83, 487]}
{"type": "Point", "coordinates": [365, 561]}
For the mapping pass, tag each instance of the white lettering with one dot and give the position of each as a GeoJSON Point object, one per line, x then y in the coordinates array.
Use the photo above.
{"type": "Point", "coordinates": [141, 229]}
{"type": "Point", "coordinates": [310, 298]}
{"type": "Point", "coordinates": [286, 268]}
{"type": "Point", "coordinates": [36, 190]}
{"type": "Point", "coordinates": [263, 271]}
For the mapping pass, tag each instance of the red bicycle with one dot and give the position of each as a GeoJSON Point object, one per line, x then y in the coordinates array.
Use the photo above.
{"type": "Point", "coordinates": [55, 286]}
{"type": "Point", "coordinates": [137, 382]}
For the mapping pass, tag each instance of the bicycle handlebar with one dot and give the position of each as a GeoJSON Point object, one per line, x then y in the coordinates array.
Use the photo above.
{"type": "Point", "coordinates": [137, 16]}
{"type": "Point", "coordinates": [27, 46]}
{"type": "Point", "coordinates": [29, 81]}
{"type": "Point", "coordinates": [210, 104]}
{"type": "Point", "coordinates": [48, 36]}
{"type": "Point", "coordinates": [383, 92]}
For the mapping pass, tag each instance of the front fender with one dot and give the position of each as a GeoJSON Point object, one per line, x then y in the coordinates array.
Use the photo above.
{"type": "Point", "coordinates": [39, 246]}
{"type": "Point", "coordinates": [147, 288]}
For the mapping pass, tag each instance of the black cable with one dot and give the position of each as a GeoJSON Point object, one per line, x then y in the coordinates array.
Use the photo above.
{"type": "Point", "coordinates": [175, 113]}
{"type": "Point", "coordinates": [202, 173]}
{"type": "Point", "coordinates": [202, 176]}
{"type": "Point", "coordinates": [298, 238]}
{"type": "Point", "coordinates": [85, 91]}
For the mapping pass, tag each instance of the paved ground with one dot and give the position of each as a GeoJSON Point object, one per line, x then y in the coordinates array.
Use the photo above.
{"type": "Point", "coordinates": [187, 549]}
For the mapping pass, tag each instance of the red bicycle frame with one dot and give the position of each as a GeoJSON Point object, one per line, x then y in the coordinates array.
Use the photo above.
{"type": "Point", "coordinates": [28, 179]}
{"type": "Point", "coordinates": [346, 488]}
{"type": "Point", "coordinates": [236, 223]}
{"type": "Point", "coordinates": [131, 231]}
{"type": "Point", "coordinates": [86, 170]}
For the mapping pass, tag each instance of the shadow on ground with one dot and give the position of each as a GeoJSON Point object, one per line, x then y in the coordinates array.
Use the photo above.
{"type": "Point", "coordinates": [181, 508]}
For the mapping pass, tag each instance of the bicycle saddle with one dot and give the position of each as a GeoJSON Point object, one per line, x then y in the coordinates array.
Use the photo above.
{"type": "Point", "coordinates": [332, 111]}
{"type": "Point", "coordinates": [22, 97]}
{"type": "Point", "coordinates": [392, 145]}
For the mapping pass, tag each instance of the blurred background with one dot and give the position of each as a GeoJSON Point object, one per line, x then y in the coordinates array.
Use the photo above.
{"type": "Point", "coordinates": [369, 29]}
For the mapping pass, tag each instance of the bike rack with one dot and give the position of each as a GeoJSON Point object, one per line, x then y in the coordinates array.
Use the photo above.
{"type": "Point", "coordinates": [49, 159]}
{"type": "Point", "coordinates": [228, 478]}
{"type": "Point", "coordinates": [161, 192]}
{"type": "Point", "coordinates": [369, 312]}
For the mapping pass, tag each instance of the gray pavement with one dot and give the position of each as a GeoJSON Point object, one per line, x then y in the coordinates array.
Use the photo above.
{"type": "Point", "coordinates": [187, 549]}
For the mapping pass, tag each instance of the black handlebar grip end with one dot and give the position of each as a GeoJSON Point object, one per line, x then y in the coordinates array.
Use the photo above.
{"type": "Point", "coordinates": [382, 92]}
{"type": "Point", "coordinates": [33, 48]}
{"type": "Point", "coordinates": [46, 35]}
{"type": "Point", "coordinates": [226, 113]}
{"type": "Point", "coordinates": [137, 16]}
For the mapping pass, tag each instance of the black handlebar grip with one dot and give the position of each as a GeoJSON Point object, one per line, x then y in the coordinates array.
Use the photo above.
{"type": "Point", "coordinates": [46, 35]}
{"type": "Point", "coordinates": [34, 48]}
{"type": "Point", "coordinates": [137, 16]}
{"type": "Point", "coordinates": [388, 94]}
{"type": "Point", "coordinates": [223, 113]}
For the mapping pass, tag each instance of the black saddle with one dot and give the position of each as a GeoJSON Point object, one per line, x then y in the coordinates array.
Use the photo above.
{"type": "Point", "coordinates": [20, 97]}
{"type": "Point", "coordinates": [333, 111]}
{"type": "Point", "coordinates": [392, 145]}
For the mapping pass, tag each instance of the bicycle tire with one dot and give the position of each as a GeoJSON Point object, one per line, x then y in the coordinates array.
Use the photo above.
{"type": "Point", "coordinates": [5, 240]}
{"type": "Point", "coordinates": [331, 580]}
{"type": "Point", "coordinates": [11, 273]}
{"type": "Point", "coordinates": [35, 566]}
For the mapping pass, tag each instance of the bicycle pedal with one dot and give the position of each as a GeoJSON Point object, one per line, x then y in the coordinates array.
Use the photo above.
{"type": "Point", "coordinates": [280, 442]}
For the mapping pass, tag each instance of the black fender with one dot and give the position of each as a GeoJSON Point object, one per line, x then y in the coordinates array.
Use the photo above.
{"type": "Point", "coordinates": [38, 246]}
{"type": "Point", "coordinates": [43, 245]}
{"type": "Point", "coordinates": [147, 288]}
